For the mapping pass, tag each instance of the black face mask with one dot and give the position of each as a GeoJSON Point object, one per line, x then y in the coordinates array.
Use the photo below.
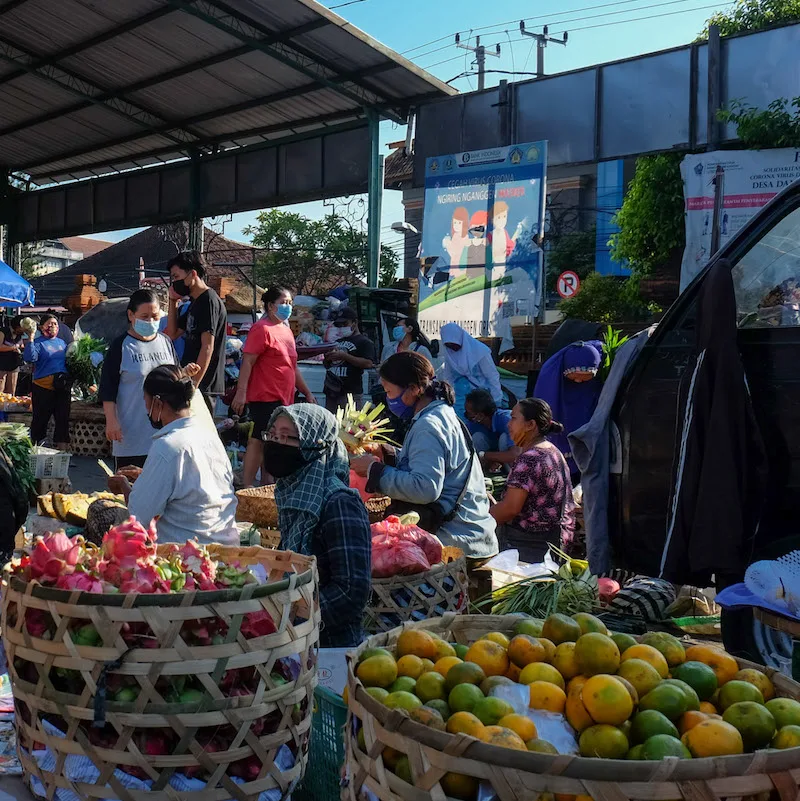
{"type": "Point", "coordinates": [157, 424]}
{"type": "Point", "coordinates": [180, 287]}
{"type": "Point", "coordinates": [281, 460]}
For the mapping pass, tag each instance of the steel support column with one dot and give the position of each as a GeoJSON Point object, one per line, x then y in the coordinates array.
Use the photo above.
{"type": "Point", "coordinates": [196, 238]}
{"type": "Point", "coordinates": [375, 183]}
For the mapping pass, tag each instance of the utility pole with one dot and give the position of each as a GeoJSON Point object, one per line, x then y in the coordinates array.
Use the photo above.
{"type": "Point", "coordinates": [480, 57]}
{"type": "Point", "coordinates": [541, 42]}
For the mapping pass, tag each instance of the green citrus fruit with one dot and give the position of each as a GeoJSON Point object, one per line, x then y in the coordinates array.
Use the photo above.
{"type": "Point", "coordinates": [490, 710]}
{"type": "Point", "coordinates": [664, 745]}
{"type": "Point", "coordinates": [700, 677]}
{"type": "Point", "coordinates": [692, 700]}
{"type": "Point", "coordinates": [603, 741]}
{"type": "Point", "coordinates": [786, 711]}
{"type": "Point", "coordinates": [405, 683]}
{"type": "Point", "coordinates": [732, 692]}
{"type": "Point", "coordinates": [753, 721]}
{"type": "Point", "coordinates": [430, 687]}
{"type": "Point", "coordinates": [664, 698]}
{"type": "Point", "coordinates": [649, 723]}
{"type": "Point", "coordinates": [463, 697]}
{"type": "Point", "coordinates": [402, 700]}
{"type": "Point", "coordinates": [439, 705]}
{"type": "Point", "coordinates": [464, 673]}
{"type": "Point", "coordinates": [623, 641]}
{"type": "Point", "coordinates": [530, 625]}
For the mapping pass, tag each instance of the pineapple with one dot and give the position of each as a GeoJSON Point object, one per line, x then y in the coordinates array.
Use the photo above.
{"type": "Point", "coordinates": [360, 428]}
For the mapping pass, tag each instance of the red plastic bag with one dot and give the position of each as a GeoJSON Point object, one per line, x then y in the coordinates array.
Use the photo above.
{"type": "Point", "coordinates": [359, 483]}
{"type": "Point", "coordinates": [391, 527]}
{"type": "Point", "coordinates": [394, 557]}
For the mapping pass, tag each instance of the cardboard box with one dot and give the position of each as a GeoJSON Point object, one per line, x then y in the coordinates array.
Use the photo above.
{"type": "Point", "coordinates": [332, 669]}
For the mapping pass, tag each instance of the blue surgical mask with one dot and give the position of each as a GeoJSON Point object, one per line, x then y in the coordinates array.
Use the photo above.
{"type": "Point", "coordinates": [283, 311]}
{"type": "Point", "coordinates": [399, 408]}
{"type": "Point", "coordinates": [146, 328]}
{"type": "Point", "coordinates": [398, 332]}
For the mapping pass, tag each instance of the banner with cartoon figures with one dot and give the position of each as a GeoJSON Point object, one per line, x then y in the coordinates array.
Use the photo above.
{"type": "Point", "coordinates": [481, 264]}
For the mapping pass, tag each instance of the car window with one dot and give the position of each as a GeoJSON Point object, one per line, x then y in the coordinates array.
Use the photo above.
{"type": "Point", "coordinates": [766, 279]}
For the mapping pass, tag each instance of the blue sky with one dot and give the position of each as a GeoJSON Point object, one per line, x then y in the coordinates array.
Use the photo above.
{"type": "Point", "coordinates": [424, 30]}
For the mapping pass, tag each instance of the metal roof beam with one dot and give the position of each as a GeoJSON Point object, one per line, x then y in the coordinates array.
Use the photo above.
{"type": "Point", "coordinates": [235, 24]}
{"type": "Point", "coordinates": [335, 116]}
{"type": "Point", "coordinates": [76, 84]}
{"type": "Point", "coordinates": [147, 83]}
{"type": "Point", "coordinates": [87, 44]}
{"type": "Point", "coordinates": [247, 105]}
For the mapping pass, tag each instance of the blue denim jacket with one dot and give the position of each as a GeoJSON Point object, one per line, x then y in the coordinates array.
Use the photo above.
{"type": "Point", "coordinates": [433, 465]}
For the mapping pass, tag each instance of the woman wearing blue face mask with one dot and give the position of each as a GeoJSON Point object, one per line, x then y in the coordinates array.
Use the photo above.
{"type": "Point", "coordinates": [407, 336]}
{"type": "Point", "coordinates": [128, 361]}
{"type": "Point", "coordinates": [437, 472]}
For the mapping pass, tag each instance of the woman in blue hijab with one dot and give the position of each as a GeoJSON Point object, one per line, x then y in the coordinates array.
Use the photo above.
{"type": "Point", "coordinates": [568, 382]}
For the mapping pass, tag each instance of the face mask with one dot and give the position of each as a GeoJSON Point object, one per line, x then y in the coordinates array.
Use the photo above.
{"type": "Point", "coordinates": [146, 328]}
{"type": "Point", "coordinates": [399, 408]}
{"type": "Point", "coordinates": [281, 460]}
{"type": "Point", "coordinates": [157, 424]}
{"type": "Point", "coordinates": [180, 287]}
{"type": "Point", "coordinates": [398, 332]}
{"type": "Point", "coordinates": [283, 311]}
{"type": "Point", "coordinates": [345, 332]}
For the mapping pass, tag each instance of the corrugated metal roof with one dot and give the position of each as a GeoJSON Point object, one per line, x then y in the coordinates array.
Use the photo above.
{"type": "Point", "coordinates": [88, 88]}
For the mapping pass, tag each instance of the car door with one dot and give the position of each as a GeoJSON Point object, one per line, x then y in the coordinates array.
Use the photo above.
{"type": "Point", "coordinates": [765, 259]}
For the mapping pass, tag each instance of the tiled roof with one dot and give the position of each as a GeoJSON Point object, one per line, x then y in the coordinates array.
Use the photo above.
{"type": "Point", "coordinates": [84, 244]}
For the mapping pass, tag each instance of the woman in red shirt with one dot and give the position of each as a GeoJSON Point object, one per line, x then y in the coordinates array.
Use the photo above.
{"type": "Point", "coordinates": [269, 374]}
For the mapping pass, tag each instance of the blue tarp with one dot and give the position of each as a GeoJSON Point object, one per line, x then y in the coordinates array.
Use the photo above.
{"type": "Point", "coordinates": [14, 289]}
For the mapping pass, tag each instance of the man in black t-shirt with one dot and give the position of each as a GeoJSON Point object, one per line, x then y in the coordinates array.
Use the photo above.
{"type": "Point", "coordinates": [203, 325]}
{"type": "Point", "coordinates": [354, 353]}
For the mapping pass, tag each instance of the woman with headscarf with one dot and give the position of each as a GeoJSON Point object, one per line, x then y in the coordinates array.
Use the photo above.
{"type": "Point", "coordinates": [468, 365]}
{"type": "Point", "coordinates": [568, 382]}
{"type": "Point", "coordinates": [319, 515]}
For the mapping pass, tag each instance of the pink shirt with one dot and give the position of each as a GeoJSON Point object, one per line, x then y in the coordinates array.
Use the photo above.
{"type": "Point", "coordinates": [273, 377]}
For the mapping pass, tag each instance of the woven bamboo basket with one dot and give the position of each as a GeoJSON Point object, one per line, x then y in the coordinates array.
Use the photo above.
{"type": "Point", "coordinates": [257, 505]}
{"type": "Point", "coordinates": [252, 705]}
{"type": "Point", "coordinates": [524, 776]}
{"type": "Point", "coordinates": [400, 599]}
{"type": "Point", "coordinates": [377, 508]}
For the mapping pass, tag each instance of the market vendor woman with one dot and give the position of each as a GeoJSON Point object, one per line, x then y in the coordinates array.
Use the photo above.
{"type": "Point", "coordinates": [186, 481]}
{"type": "Point", "coordinates": [320, 515]}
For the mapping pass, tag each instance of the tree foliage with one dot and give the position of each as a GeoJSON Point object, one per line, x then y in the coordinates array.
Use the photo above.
{"type": "Point", "coordinates": [651, 219]}
{"type": "Point", "coordinates": [311, 257]}
{"type": "Point", "coordinates": [776, 126]}
{"type": "Point", "coordinates": [30, 262]}
{"type": "Point", "coordinates": [753, 15]}
{"type": "Point", "coordinates": [607, 299]}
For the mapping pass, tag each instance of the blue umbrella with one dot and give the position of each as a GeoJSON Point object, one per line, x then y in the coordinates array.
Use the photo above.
{"type": "Point", "coordinates": [14, 289]}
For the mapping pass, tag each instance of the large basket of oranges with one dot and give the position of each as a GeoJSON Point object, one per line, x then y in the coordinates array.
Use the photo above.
{"type": "Point", "coordinates": [458, 708]}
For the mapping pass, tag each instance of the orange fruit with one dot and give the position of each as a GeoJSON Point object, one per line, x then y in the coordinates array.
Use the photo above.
{"type": "Point", "coordinates": [391, 757]}
{"type": "Point", "coordinates": [560, 628]}
{"type": "Point", "coordinates": [642, 675]}
{"type": "Point", "coordinates": [574, 710]}
{"type": "Point", "coordinates": [607, 700]}
{"type": "Point", "coordinates": [541, 671]}
{"type": "Point", "coordinates": [463, 697]}
{"type": "Point", "coordinates": [596, 653]}
{"type": "Point", "coordinates": [457, 785]}
{"type": "Point", "coordinates": [410, 665]}
{"type": "Point", "coordinates": [487, 685]}
{"type": "Point", "coordinates": [713, 738]}
{"type": "Point", "coordinates": [708, 708]}
{"type": "Point", "coordinates": [604, 741]}
{"type": "Point", "coordinates": [648, 654]}
{"type": "Point", "coordinates": [757, 679]}
{"type": "Point", "coordinates": [490, 656]}
{"type": "Point", "coordinates": [403, 770]}
{"type": "Point", "coordinates": [734, 691]}
{"type": "Point", "coordinates": [377, 671]}
{"type": "Point", "coordinates": [564, 660]}
{"type": "Point", "coordinates": [513, 673]}
{"type": "Point", "coordinates": [521, 725]}
{"type": "Point", "coordinates": [444, 664]}
{"type": "Point", "coordinates": [541, 746]}
{"type": "Point", "coordinates": [490, 710]}
{"type": "Point", "coordinates": [589, 623]}
{"type": "Point", "coordinates": [417, 642]}
{"type": "Point", "coordinates": [402, 699]}
{"type": "Point", "coordinates": [523, 650]}
{"type": "Point", "coordinates": [464, 723]}
{"type": "Point", "coordinates": [498, 637]}
{"type": "Point", "coordinates": [689, 720]}
{"type": "Point", "coordinates": [547, 696]}
{"type": "Point", "coordinates": [443, 649]}
{"type": "Point", "coordinates": [787, 737]}
{"type": "Point", "coordinates": [669, 646]}
{"type": "Point", "coordinates": [786, 711]}
{"type": "Point", "coordinates": [529, 625]}
{"type": "Point", "coordinates": [427, 665]}
{"type": "Point", "coordinates": [723, 664]}
{"type": "Point", "coordinates": [497, 735]}
{"type": "Point", "coordinates": [754, 722]}
{"type": "Point", "coordinates": [431, 686]}
{"type": "Point", "coordinates": [428, 717]}
{"type": "Point", "coordinates": [630, 688]}
{"type": "Point", "coordinates": [466, 672]}
{"type": "Point", "coordinates": [378, 693]}
{"type": "Point", "coordinates": [549, 648]}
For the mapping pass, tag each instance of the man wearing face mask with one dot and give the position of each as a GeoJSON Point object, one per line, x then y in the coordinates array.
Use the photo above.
{"type": "Point", "coordinates": [203, 325]}
{"type": "Point", "coordinates": [354, 353]}
{"type": "Point", "coordinates": [269, 373]}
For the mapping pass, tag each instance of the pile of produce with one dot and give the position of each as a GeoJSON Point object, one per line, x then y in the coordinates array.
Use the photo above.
{"type": "Point", "coordinates": [72, 507]}
{"type": "Point", "coordinates": [19, 401]}
{"type": "Point", "coordinates": [616, 697]}
{"type": "Point", "coordinates": [359, 429]}
{"type": "Point", "coordinates": [84, 362]}
{"type": "Point", "coordinates": [401, 548]}
{"type": "Point", "coordinates": [16, 444]}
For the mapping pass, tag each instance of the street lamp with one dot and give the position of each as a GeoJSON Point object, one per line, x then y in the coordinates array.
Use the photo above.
{"type": "Point", "coordinates": [404, 228]}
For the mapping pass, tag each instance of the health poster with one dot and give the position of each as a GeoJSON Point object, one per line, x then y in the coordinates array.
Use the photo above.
{"type": "Point", "coordinates": [481, 261]}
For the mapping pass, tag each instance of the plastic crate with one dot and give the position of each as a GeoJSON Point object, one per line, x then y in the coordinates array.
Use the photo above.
{"type": "Point", "coordinates": [49, 463]}
{"type": "Point", "coordinates": [322, 781]}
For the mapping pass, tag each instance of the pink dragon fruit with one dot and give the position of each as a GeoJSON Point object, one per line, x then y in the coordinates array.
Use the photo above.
{"type": "Point", "coordinates": [197, 562]}
{"type": "Point", "coordinates": [247, 769]}
{"type": "Point", "coordinates": [54, 555]}
{"type": "Point", "coordinates": [144, 579]}
{"type": "Point", "coordinates": [38, 623]}
{"type": "Point", "coordinates": [83, 582]}
{"type": "Point", "coordinates": [210, 747]}
{"type": "Point", "coordinates": [258, 624]}
{"type": "Point", "coordinates": [129, 544]}
{"type": "Point", "coordinates": [234, 575]}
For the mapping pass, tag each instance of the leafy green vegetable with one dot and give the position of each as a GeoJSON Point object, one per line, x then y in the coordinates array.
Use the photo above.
{"type": "Point", "coordinates": [84, 363]}
{"type": "Point", "coordinates": [16, 444]}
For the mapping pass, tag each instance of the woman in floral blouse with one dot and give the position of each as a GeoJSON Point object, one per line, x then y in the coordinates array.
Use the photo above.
{"type": "Point", "coordinates": [537, 508]}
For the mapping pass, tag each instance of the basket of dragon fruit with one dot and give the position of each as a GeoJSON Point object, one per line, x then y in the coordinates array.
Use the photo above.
{"type": "Point", "coordinates": [182, 672]}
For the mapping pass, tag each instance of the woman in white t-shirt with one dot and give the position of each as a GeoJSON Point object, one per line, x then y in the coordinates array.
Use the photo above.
{"type": "Point", "coordinates": [128, 361]}
{"type": "Point", "coordinates": [407, 336]}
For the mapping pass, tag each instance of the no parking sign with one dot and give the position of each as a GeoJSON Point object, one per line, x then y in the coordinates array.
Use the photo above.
{"type": "Point", "coordinates": [568, 284]}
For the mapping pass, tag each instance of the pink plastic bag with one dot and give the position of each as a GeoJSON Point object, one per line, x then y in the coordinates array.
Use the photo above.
{"type": "Point", "coordinates": [393, 557]}
{"type": "Point", "coordinates": [359, 483]}
{"type": "Point", "coordinates": [391, 526]}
